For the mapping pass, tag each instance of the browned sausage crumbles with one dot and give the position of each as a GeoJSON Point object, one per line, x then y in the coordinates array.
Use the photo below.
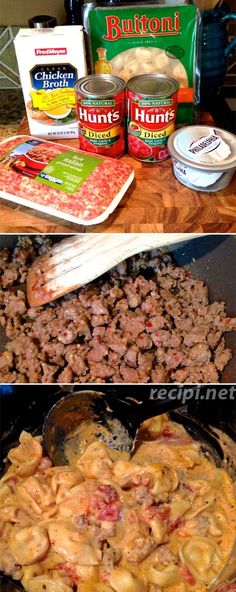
{"type": "Point", "coordinates": [145, 321]}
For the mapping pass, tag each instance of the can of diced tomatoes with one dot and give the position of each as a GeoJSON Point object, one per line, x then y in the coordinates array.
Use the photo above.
{"type": "Point", "coordinates": [152, 106]}
{"type": "Point", "coordinates": [101, 112]}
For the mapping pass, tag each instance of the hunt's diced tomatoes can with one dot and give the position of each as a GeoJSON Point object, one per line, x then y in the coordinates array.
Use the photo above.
{"type": "Point", "coordinates": [152, 106]}
{"type": "Point", "coordinates": [101, 112]}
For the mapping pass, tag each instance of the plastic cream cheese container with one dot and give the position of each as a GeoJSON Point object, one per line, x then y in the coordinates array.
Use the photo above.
{"type": "Point", "coordinates": [204, 158]}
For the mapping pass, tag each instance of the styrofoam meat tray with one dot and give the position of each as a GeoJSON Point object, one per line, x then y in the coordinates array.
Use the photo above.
{"type": "Point", "coordinates": [81, 187]}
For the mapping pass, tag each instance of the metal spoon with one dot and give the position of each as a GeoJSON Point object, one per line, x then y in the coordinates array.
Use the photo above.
{"type": "Point", "coordinates": [115, 421]}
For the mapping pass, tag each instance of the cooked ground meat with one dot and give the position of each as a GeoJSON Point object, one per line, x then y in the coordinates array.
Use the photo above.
{"type": "Point", "coordinates": [145, 321]}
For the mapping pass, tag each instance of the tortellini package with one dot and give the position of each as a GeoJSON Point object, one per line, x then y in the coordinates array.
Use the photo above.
{"type": "Point", "coordinates": [135, 39]}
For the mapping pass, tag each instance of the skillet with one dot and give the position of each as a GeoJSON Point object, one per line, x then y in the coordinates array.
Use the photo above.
{"type": "Point", "coordinates": [213, 423]}
{"type": "Point", "coordinates": [211, 258]}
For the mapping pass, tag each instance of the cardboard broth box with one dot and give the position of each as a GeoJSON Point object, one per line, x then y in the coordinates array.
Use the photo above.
{"type": "Point", "coordinates": [50, 61]}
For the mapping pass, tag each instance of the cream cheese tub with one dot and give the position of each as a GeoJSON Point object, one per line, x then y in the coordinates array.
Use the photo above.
{"type": "Point", "coordinates": [204, 158]}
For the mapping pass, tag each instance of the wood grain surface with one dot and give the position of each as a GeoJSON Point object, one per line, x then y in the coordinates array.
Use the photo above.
{"type": "Point", "coordinates": [155, 202]}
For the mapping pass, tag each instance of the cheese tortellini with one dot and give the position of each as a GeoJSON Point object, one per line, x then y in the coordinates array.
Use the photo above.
{"type": "Point", "coordinates": [122, 580]}
{"type": "Point", "coordinates": [158, 521]}
{"type": "Point", "coordinates": [29, 545]}
{"type": "Point", "coordinates": [203, 558]}
{"type": "Point", "coordinates": [148, 60]}
{"type": "Point", "coordinates": [45, 582]}
{"type": "Point", "coordinates": [27, 456]}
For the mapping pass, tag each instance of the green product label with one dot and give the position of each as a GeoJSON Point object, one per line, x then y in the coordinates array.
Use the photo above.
{"type": "Point", "coordinates": [106, 142]}
{"type": "Point", "coordinates": [155, 103]}
{"type": "Point", "coordinates": [155, 143]}
{"type": "Point", "coordinates": [68, 171]}
{"type": "Point", "coordinates": [146, 39]}
{"type": "Point", "coordinates": [97, 103]}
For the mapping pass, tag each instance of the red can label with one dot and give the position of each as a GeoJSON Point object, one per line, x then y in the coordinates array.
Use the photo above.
{"type": "Point", "coordinates": [151, 120]}
{"type": "Point", "coordinates": [102, 124]}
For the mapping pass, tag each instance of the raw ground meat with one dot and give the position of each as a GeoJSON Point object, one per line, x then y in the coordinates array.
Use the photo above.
{"type": "Point", "coordinates": [145, 321]}
{"type": "Point", "coordinates": [88, 202]}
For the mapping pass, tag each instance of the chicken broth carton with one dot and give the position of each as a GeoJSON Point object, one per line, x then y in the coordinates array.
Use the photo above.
{"type": "Point", "coordinates": [50, 61]}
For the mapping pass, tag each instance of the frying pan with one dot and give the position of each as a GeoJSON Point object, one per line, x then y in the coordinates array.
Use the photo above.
{"type": "Point", "coordinates": [213, 423]}
{"type": "Point", "coordinates": [211, 258]}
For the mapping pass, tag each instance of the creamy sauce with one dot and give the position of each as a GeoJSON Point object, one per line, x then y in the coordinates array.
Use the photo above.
{"type": "Point", "coordinates": [88, 432]}
{"type": "Point", "coordinates": [164, 519]}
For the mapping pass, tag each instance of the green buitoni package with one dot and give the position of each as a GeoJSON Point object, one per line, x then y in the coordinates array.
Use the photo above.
{"type": "Point", "coordinates": [127, 40]}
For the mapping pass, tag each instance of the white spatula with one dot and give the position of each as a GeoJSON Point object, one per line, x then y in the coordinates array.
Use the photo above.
{"type": "Point", "coordinates": [77, 260]}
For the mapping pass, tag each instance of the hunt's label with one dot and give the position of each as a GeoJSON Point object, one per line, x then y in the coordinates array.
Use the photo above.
{"type": "Point", "coordinates": [102, 123]}
{"type": "Point", "coordinates": [150, 123]}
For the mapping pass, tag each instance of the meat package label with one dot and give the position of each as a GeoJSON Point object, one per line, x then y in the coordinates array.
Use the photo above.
{"type": "Point", "coordinates": [147, 39]}
{"type": "Point", "coordinates": [65, 170]}
{"type": "Point", "coordinates": [74, 185]}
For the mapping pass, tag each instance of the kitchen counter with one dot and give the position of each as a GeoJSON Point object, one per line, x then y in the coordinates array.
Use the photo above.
{"type": "Point", "coordinates": [155, 202]}
{"type": "Point", "coordinates": [12, 110]}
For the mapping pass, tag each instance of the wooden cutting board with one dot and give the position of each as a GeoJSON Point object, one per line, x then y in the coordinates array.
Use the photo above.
{"type": "Point", "coordinates": [155, 202]}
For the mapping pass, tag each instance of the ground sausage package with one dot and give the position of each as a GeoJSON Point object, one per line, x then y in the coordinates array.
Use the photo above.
{"type": "Point", "coordinates": [68, 183]}
{"type": "Point", "coordinates": [135, 39]}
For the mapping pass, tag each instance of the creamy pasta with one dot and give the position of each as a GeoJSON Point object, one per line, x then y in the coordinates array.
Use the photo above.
{"type": "Point", "coordinates": [161, 521]}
